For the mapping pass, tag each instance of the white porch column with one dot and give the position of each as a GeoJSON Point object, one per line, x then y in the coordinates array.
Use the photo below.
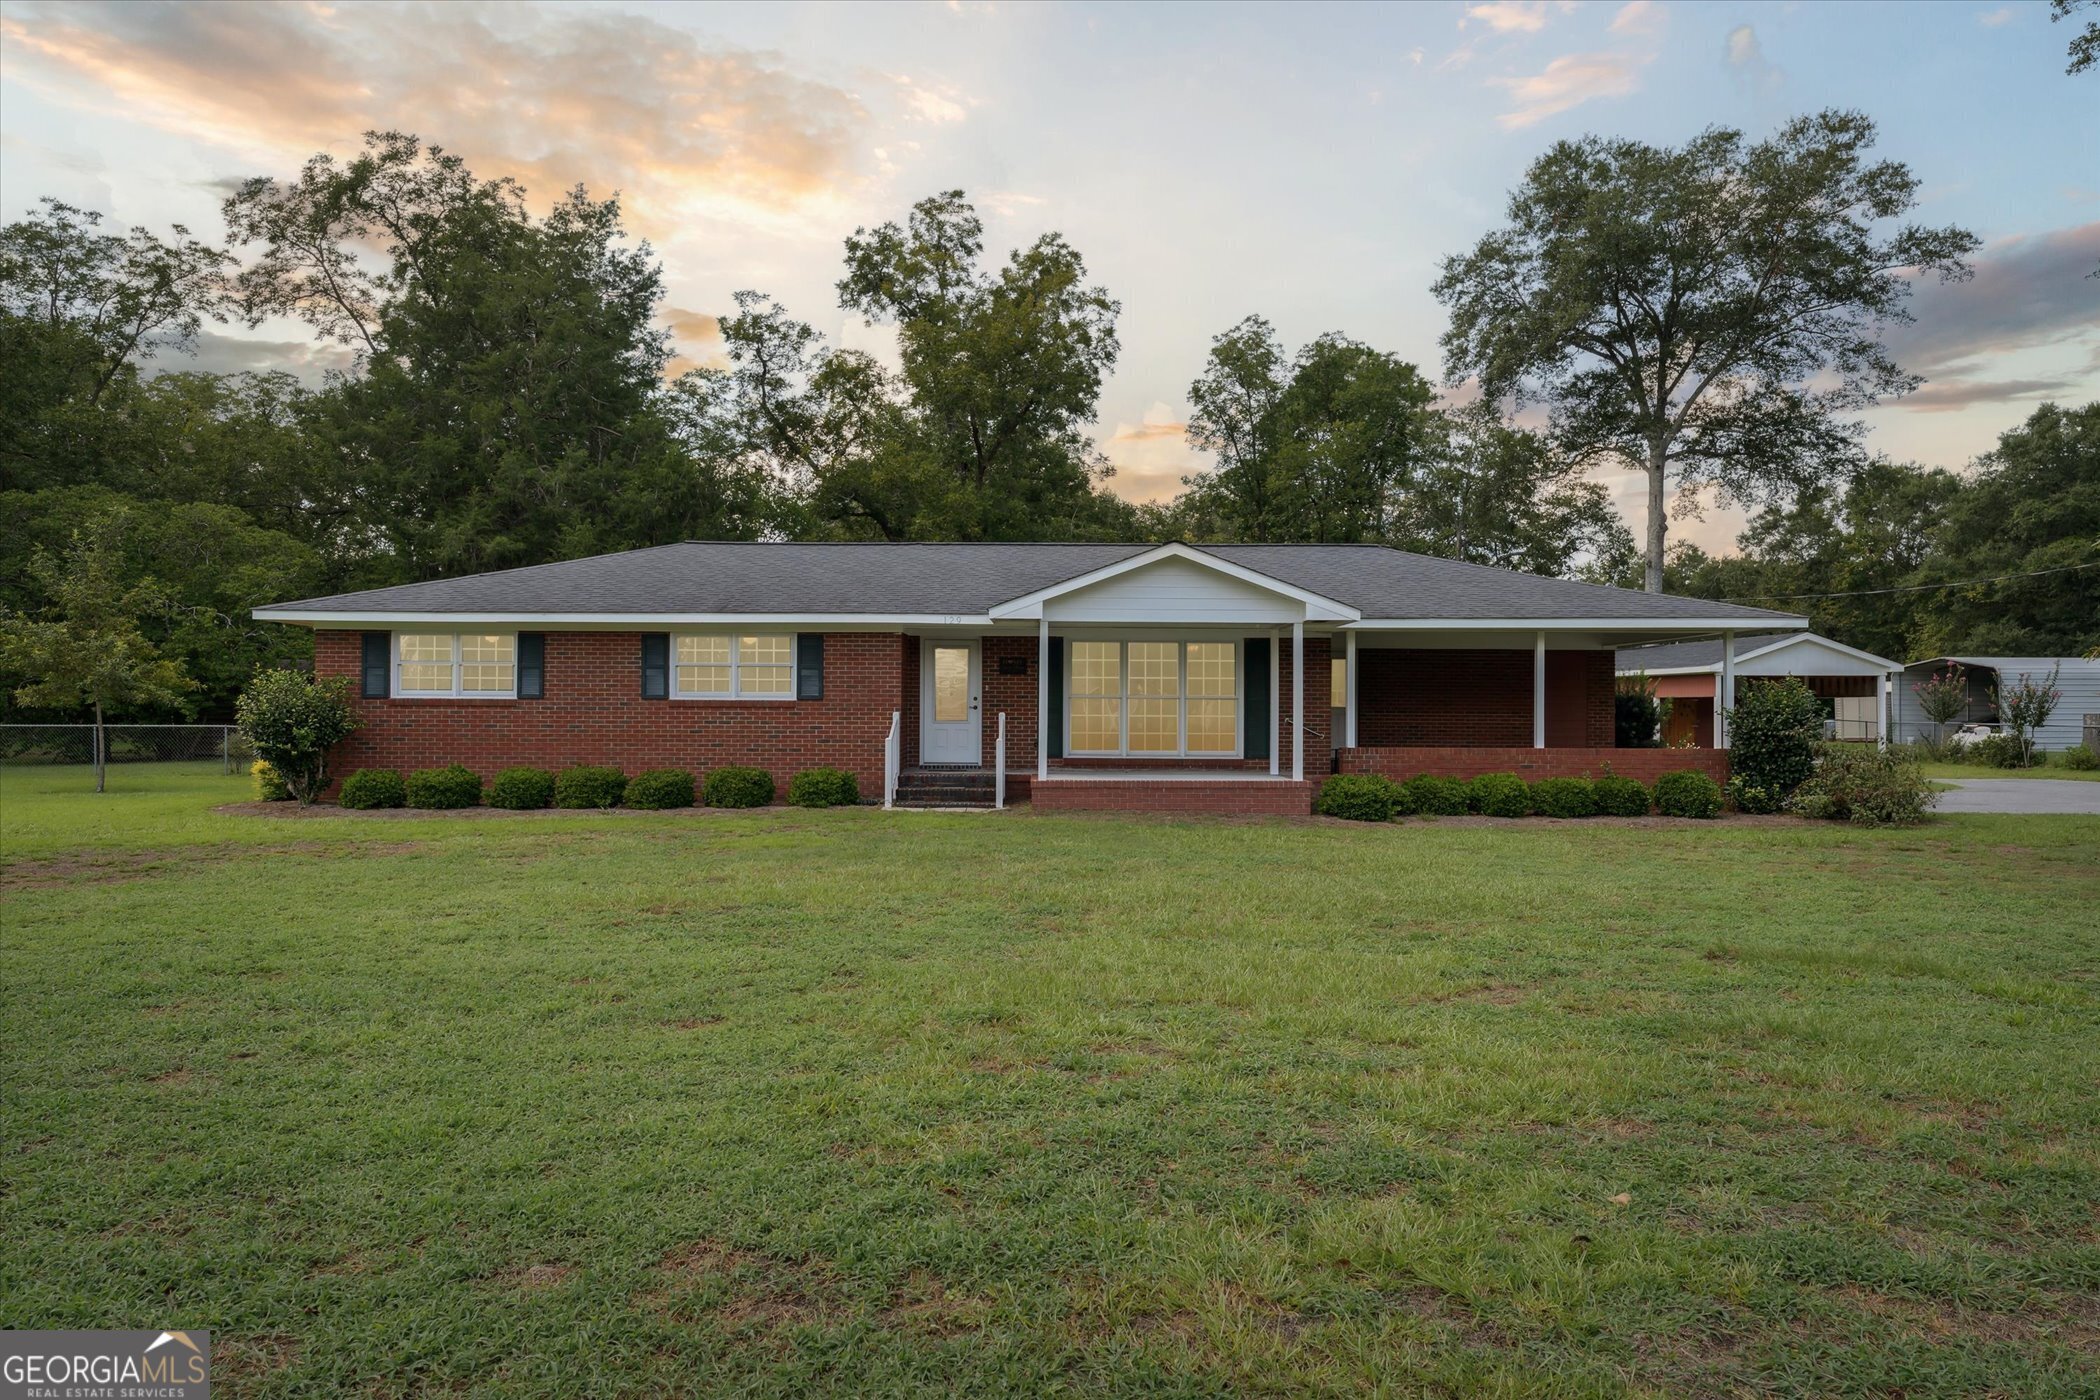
{"type": "Point", "coordinates": [1275, 701]}
{"type": "Point", "coordinates": [1042, 698]}
{"type": "Point", "coordinates": [1724, 701]}
{"type": "Point", "coordinates": [1298, 701]}
{"type": "Point", "coordinates": [1349, 680]}
{"type": "Point", "coordinates": [1538, 691]}
{"type": "Point", "coordinates": [1885, 694]}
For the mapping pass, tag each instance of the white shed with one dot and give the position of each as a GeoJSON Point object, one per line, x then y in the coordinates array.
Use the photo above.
{"type": "Point", "coordinates": [2078, 679]}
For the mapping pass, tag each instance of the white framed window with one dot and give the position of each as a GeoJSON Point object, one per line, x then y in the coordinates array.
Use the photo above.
{"type": "Point", "coordinates": [1163, 699]}
{"type": "Point", "coordinates": [456, 665]}
{"type": "Point", "coordinates": [732, 666]}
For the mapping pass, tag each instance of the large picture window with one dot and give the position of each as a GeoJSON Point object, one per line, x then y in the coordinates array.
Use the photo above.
{"type": "Point", "coordinates": [756, 667]}
{"type": "Point", "coordinates": [465, 665]}
{"type": "Point", "coordinates": [1153, 699]}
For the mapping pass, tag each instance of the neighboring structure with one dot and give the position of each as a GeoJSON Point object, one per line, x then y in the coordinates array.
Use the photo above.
{"type": "Point", "coordinates": [2078, 679]}
{"type": "Point", "coordinates": [1086, 675]}
{"type": "Point", "coordinates": [1857, 684]}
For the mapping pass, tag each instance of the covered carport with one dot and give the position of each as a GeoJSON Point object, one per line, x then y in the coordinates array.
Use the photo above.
{"type": "Point", "coordinates": [1856, 684]}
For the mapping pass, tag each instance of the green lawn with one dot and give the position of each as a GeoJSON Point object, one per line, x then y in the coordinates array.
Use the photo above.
{"type": "Point", "coordinates": [1978, 770]}
{"type": "Point", "coordinates": [866, 1103]}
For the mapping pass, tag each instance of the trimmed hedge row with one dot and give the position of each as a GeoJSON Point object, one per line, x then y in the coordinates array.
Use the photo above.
{"type": "Point", "coordinates": [583, 787]}
{"type": "Point", "coordinates": [1367, 797]}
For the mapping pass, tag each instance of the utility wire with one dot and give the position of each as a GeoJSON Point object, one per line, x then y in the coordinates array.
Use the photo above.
{"type": "Point", "coordinates": [1908, 588]}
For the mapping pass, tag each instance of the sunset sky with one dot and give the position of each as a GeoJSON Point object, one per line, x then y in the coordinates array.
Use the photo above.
{"type": "Point", "coordinates": [1311, 164]}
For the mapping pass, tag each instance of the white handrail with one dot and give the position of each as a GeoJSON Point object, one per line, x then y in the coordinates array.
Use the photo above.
{"type": "Point", "coordinates": [999, 766]}
{"type": "Point", "coordinates": [892, 761]}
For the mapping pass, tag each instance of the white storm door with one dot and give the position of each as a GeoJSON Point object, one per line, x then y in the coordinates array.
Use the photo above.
{"type": "Point", "coordinates": [950, 727]}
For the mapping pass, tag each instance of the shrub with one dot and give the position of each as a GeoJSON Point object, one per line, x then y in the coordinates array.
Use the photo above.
{"type": "Point", "coordinates": [2079, 758]}
{"type": "Point", "coordinates": [522, 789]}
{"type": "Point", "coordinates": [1772, 738]}
{"type": "Point", "coordinates": [1637, 715]}
{"type": "Point", "coordinates": [1564, 797]}
{"type": "Point", "coordinates": [660, 788]}
{"type": "Point", "coordinates": [739, 787]}
{"type": "Point", "coordinates": [1499, 795]}
{"type": "Point", "coordinates": [1619, 797]}
{"type": "Point", "coordinates": [373, 787]}
{"type": "Point", "coordinates": [1437, 797]}
{"type": "Point", "coordinates": [823, 787]}
{"type": "Point", "coordinates": [293, 720]}
{"type": "Point", "coordinates": [440, 789]}
{"type": "Point", "coordinates": [1357, 797]}
{"type": "Point", "coordinates": [586, 786]}
{"type": "Point", "coordinates": [1689, 793]}
{"type": "Point", "coordinates": [269, 783]}
{"type": "Point", "coordinates": [1997, 751]}
{"type": "Point", "coordinates": [1866, 785]}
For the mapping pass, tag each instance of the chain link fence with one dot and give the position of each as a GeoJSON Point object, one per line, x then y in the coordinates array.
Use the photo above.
{"type": "Point", "coordinates": [23, 744]}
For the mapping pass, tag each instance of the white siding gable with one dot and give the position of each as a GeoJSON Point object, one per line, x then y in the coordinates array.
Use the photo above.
{"type": "Point", "coordinates": [1174, 590]}
{"type": "Point", "coordinates": [1808, 658]}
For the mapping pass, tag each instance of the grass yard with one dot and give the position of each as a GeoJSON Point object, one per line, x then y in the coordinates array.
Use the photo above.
{"type": "Point", "coordinates": [886, 1104]}
{"type": "Point", "coordinates": [1978, 770]}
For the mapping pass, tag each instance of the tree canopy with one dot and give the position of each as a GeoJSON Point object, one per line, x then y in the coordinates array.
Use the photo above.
{"type": "Point", "coordinates": [1709, 313]}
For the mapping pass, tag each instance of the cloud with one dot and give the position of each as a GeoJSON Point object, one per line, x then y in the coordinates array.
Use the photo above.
{"type": "Point", "coordinates": [1954, 394]}
{"type": "Point", "coordinates": [698, 338]}
{"type": "Point", "coordinates": [1639, 17]}
{"type": "Point", "coordinates": [1508, 16]}
{"type": "Point", "coordinates": [1151, 457]}
{"type": "Point", "coordinates": [1568, 82]}
{"type": "Point", "coordinates": [549, 97]}
{"type": "Point", "coordinates": [1746, 60]}
{"type": "Point", "coordinates": [1991, 19]}
{"type": "Point", "coordinates": [925, 103]}
{"type": "Point", "coordinates": [2029, 292]}
{"type": "Point", "coordinates": [310, 361]}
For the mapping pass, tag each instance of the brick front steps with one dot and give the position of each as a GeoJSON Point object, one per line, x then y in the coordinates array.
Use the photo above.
{"type": "Point", "coordinates": [947, 787]}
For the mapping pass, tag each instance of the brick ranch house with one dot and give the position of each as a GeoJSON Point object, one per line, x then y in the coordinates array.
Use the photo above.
{"type": "Point", "coordinates": [1227, 678]}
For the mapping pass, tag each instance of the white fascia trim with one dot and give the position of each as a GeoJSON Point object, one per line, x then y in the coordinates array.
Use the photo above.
{"type": "Point", "coordinates": [1685, 627]}
{"type": "Point", "coordinates": [1317, 607]}
{"type": "Point", "coordinates": [1714, 667]}
{"type": "Point", "coordinates": [555, 622]}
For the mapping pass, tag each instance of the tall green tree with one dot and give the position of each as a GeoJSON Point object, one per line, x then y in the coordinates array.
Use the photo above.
{"type": "Point", "coordinates": [1710, 313]}
{"type": "Point", "coordinates": [509, 405]}
{"type": "Point", "coordinates": [2085, 44]}
{"type": "Point", "coordinates": [983, 431]}
{"type": "Point", "coordinates": [87, 647]}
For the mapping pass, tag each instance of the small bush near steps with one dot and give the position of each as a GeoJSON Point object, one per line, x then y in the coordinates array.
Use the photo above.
{"type": "Point", "coordinates": [1688, 793]}
{"type": "Point", "coordinates": [660, 789]}
{"type": "Point", "coordinates": [1499, 795]}
{"type": "Point", "coordinates": [823, 787]}
{"type": "Point", "coordinates": [373, 787]}
{"type": "Point", "coordinates": [1357, 797]}
{"type": "Point", "coordinates": [586, 786]}
{"type": "Point", "coordinates": [739, 787]}
{"type": "Point", "coordinates": [522, 789]}
{"type": "Point", "coordinates": [441, 789]}
{"type": "Point", "coordinates": [1436, 797]}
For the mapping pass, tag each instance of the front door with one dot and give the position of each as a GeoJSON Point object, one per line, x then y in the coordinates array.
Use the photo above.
{"type": "Point", "coordinates": [950, 683]}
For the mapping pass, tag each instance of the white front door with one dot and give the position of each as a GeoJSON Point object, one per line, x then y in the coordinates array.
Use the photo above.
{"type": "Point", "coordinates": [950, 684]}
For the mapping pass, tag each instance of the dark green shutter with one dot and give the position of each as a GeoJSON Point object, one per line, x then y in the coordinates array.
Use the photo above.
{"type": "Point", "coordinates": [1055, 679]}
{"type": "Point", "coordinates": [1254, 724]}
{"type": "Point", "coordinates": [378, 665]}
{"type": "Point", "coordinates": [532, 665]}
{"type": "Point", "coordinates": [809, 666]}
{"type": "Point", "coordinates": [656, 665]}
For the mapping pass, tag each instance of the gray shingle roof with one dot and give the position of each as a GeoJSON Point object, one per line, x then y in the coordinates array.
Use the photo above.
{"type": "Point", "coordinates": [843, 580]}
{"type": "Point", "coordinates": [1677, 656]}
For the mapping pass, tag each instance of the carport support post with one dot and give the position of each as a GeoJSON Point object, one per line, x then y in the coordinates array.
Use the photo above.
{"type": "Point", "coordinates": [1724, 703]}
{"type": "Point", "coordinates": [1042, 698]}
{"type": "Point", "coordinates": [1298, 701]}
{"type": "Point", "coordinates": [1349, 691]}
{"type": "Point", "coordinates": [1538, 691]}
{"type": "Point", "coordinates": [1884, 690]}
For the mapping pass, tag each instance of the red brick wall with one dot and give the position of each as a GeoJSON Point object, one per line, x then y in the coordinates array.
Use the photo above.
{"type": "Point", "coordinates": [1013, 694]}
{"type": "Point", "coordinates": [1470, 761]}
{"type": "Point", "coordinates": [594, 713]}
{"type": "Point", "coordinates": [1458, 699]}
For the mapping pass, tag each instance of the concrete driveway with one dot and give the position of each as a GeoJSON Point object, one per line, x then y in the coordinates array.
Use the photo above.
{"type": "Point", "coordinates": [2019, 795]}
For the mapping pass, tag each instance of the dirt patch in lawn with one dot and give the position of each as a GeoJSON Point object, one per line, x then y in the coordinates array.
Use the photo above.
{"type": "Point", "coordinates": [741, 1288]}
{"type": "Point", "coordinates": [122, 867]}
{"type": "Point", "coordinates": [292, 811]}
